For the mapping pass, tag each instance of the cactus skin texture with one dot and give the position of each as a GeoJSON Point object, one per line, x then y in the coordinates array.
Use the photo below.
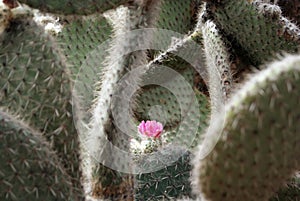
{"type": "Point", "coordinates": [169, 183]}
{"type": "Point", "coordinates": [36, 86]}
{"type": "Point", "coordinates": [259, 146]}
{"type": "Point", "coordinates": [218, 63]}
{"type": "Point", "coordinates": [259, 34]}
{"type": "Point", "coordinates": [81, 35]}
{"type": "Point", "coordinates": [177, 15]}
{"type": "Point", "coordinates": [157, 95]}
{"type": "Point", "coordinates": [29, 169]}
{"type": "Point", "coordinates": [78, 7]}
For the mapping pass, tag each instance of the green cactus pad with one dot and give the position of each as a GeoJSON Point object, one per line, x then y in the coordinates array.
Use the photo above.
{"type": "Point", "coordinates": [259, 37]}
{"type": "Point", "coordinates": [29, 169]}
{"type": "Point", "coordinates": [259, 146]}
{"type": "Point", "coordinates": [74, 7]}
{"type": "Point", "coordinates": [80, 36]}
{"type": "Point", "coordinates": [177, 15]}
{"type": "Point", "coordinates": [218, 63]}
{"type": "Point", "coordinates": [81, 39]}
{"type": "Point", "coordinates": [153, 96]}
{"type": "Point", "coordinates": [35, 84]}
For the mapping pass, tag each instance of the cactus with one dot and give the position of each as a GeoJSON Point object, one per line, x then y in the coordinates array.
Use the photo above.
{"type": "Point", "coordinates": [218, 62]}
{"type": "Point", "coordinates": [59, 91]}
{"type": "Point", "coordinates": [290, 9]}
{"type": "Point", "coordinates": [31, 70]}
{"type": "Point", "coordinates": [167, 101]}
{"type": "Point", "coordinates": [67, 7]}
{"type": "Point", "coordinates": [177, 15]}
{"type": "Point", "coordinates": [160, 185]}
{"type": "Point", "coordinates": [30, 170]}
{"type": "Point", "coordinates": [259, 138]}
{"type": "Point", "coordinates": [81, 35]}
{"type": "Point", "coordinates": [103, 133]}
{"type": "Point", "coordinates": [240, 20]}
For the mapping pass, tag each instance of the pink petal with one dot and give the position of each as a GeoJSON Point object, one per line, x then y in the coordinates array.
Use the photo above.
{"type": "Point", "coordinates": [142, 127]}
{"type": "Point", "coordinates": [150, 128]}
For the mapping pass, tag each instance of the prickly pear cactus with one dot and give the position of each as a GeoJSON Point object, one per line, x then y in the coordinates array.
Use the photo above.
{"type": "Point", "coordinates": [241, 21]}
{"type": "Point", "coordinates": [60, 88]}
{"type": "Point", "coordinates": [30, 170]}
{"type": "Point", "coordinates": [32, 69]}
{"type": "Point", "coordinates": [259, 139]}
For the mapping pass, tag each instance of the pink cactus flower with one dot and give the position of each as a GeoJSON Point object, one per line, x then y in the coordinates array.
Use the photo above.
{"type": "Point", "coordinates": [150, 128]}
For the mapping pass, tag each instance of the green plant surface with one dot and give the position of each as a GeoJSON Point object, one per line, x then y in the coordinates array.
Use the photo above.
{"type": "Point", "coordinates": [77, 7]}
{"type": "Point", "coordinates": [36, 86]}
{"type": "Point", "coordinates": [258, 34]}
{"type": "Point", "coordinates": [169, 183]}
{"type": "Point", "coordinates": [258, 147]}
{"type": "Point", "coordinates": [29, 169]}
{"type": "Point", "coordinates": [218, 64]}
